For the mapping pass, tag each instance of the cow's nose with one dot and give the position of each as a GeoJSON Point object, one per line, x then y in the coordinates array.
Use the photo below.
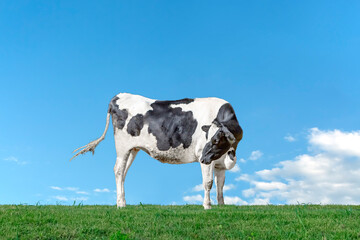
{"type": "Point", "coordinates": [205, 160]}
{"type": "Point", "coordinates": [231, 154]}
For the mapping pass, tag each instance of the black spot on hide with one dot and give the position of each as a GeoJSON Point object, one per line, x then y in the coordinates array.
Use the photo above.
{"type": "Point", "coordinates": [119, 116]}
{"type": "Point", "coordinates": [171, 126]}
{"type": "Point", "coordinates": [175, 102]}
{"type": "Point", "coordinates": [206, 128]}
{"type": "Point", "coordinates": [135, 125]}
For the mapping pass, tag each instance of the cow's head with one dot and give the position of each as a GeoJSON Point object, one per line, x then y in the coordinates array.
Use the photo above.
{"type": "Point", "coordinates": [223, 136]}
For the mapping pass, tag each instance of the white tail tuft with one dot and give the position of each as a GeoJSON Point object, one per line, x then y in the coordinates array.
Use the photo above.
{"type": "Point", "coordinates": [90, 147]}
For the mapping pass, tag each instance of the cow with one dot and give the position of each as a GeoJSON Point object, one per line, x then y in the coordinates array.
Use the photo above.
{"type": "Point", "coordinates": [203, 130]}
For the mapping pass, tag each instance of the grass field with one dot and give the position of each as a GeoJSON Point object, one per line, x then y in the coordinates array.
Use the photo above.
{"type": "Point", "coordinates": [179, 222]}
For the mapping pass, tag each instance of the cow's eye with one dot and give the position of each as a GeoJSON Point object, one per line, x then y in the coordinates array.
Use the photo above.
{"type": "Point", "coordinates": [215, 141]}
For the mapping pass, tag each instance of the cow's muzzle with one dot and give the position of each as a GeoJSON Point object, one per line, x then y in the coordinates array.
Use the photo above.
{"type": "Point", "coordinates": [206, 160]}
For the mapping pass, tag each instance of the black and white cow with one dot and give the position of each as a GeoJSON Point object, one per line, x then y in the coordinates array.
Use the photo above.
{"type": "Point", "coordinates": [201, 130]}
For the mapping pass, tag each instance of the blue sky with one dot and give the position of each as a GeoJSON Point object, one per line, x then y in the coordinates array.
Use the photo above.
{"type": "Point", "coordinates": [291, 71]}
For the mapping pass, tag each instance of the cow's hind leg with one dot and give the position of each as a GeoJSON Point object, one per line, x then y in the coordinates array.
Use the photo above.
{"type": "Point", "coordinates": [130, 160]}
{"type": "Point", "coordinates": [122, 165]}
{"type": "Point", "coordinates": [207, 175]}
{"type": "Point", "coordinates": [219, 182]}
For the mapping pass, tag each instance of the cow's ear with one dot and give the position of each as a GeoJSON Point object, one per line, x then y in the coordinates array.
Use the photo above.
{"type": "Point", "coordinates": [206, 128]}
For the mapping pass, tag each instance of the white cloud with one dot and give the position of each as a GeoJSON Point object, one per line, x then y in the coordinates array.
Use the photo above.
{"type": "Point", "coordinates": [198, 188]}
{"type": "Point", "coordinates": [289, 138]}
{"type": "Point", "coordinates": [255, 155]}
{"type": "Point", "coordinates": [267, 186]}
{"type": "Point", "coordinates": [336, 141]}
{"type": "Point", "coordinates": [14, 160]}
{"type": "Point", "coordinates": [330, 175]}
{"type": "Point", "coordinates": [242, 160]}
{"type": "Point", "coordinates": [101, 190]}
{"type": "Point", "coordinates": [61, 198]}
{"type": "Point", "coordinates": [82, 192]}
{"type": "Point", "coordinates": [193, 199]}
{"type": "Point", "coordinates": [236, 168]}
{"type": "Point", "coordinates": [68, 198]}
{"type": "Point", "coordinates": [228, 187]}
{"type": "Point", "coordinates": [243, 177]}
{"type": "Point", "coordinates": [73, 189]}
{"type": "Point", "coordinates": [260, 201]}
{"type": "Point", "coordinates": [11, 159]}
{"type": "Point", "coordinates": [248, 192]}
{"type": "Point", "coordinates": [234, 200]}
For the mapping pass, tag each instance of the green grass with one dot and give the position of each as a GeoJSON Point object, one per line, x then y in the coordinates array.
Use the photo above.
{"type": "Point", "coordinates": [179, 222]}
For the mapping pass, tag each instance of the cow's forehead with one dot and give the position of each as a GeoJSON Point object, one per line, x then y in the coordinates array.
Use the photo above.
{"type": "Point", "coordinates": [226, 118]}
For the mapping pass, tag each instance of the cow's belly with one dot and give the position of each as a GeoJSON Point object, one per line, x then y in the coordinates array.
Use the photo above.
{"type": "Point", "coordinates": [177, 155]}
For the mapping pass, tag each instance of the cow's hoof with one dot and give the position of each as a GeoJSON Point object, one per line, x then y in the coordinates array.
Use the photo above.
{"type": "Point", "coordinates": [207, 207]}
{"type": "Point", "coordinates": [121, 205]}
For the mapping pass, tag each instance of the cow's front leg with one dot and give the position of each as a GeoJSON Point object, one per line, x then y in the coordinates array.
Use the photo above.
{"type": "Point", "coordinates": [119, 170]}
{"type": "Point", "coordinates": [207, 171]}
{"type": "Point", "coordinates": [219, 182]}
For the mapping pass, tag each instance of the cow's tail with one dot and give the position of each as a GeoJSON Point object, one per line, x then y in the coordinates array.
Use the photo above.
{"type": "Point", "coordinates": [90, 147]}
